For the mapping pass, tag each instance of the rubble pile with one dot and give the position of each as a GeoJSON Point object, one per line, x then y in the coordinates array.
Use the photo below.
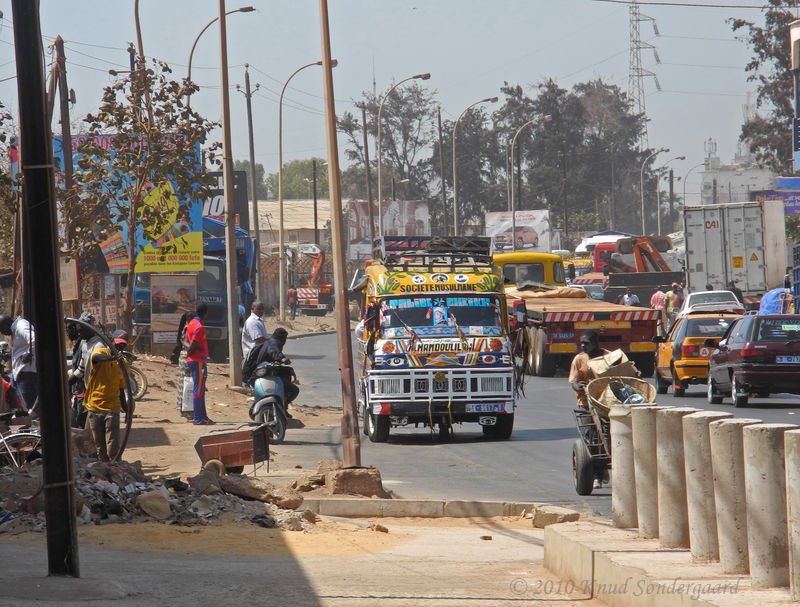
{"type": "Point", "coordinates": [119, 492]}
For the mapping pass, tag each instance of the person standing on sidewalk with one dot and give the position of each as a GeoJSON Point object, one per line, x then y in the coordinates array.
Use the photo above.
{"type": "Point", "coordinates": [103, 400]}
{"type": "Point", "coordinates": [196, 359]}
{"type": "Point", "coordinates": [291, 299]}
{"type": "Point", "coordinates": [24, 378]}
{"type": "Point", "coordinates": [254, 331]}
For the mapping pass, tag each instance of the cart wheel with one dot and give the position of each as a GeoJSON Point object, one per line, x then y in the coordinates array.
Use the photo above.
{"type": "Point", "coordinates": [215, 465]}
{"type": "Point", "coordinates": [582, 468]}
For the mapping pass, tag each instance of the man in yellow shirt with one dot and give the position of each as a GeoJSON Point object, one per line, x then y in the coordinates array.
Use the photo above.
{"type": "Point", "coordinates": [102, 401]}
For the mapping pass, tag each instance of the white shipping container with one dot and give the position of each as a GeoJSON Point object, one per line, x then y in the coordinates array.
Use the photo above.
{"type": "Point", "coordinates": [742, 241]}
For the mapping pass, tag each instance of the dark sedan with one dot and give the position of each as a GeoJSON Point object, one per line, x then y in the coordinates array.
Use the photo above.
{"type": "Point", "coordinates": [759, 355]}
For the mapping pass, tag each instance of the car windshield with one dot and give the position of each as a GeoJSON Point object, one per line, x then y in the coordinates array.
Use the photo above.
{"type": "Point", "coordinates": [708, 327]}
{"type": "Point", "coordinates": [777, 329]}
{"type": "Point", "coordinates": [522, 273]}
{"type": "Point", "coordinates": [719, 297]}
{"type": "Point", "coordinates": [441, 316]}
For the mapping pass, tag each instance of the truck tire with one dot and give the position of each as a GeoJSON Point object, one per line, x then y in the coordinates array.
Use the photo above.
{"type": "Point", "coordinates": [545, 363]}
{"type": "Point", "coordinates": [502, 428]}
{"type": "Point", "coordinates": [378, 428]}
{"type": "Point", "coordinates": [531, 354]}
{"type": "Point", "coordinates": [582, 468]}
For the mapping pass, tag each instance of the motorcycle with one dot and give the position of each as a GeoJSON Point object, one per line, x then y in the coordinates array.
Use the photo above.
{"type": "Point", "coordinates": [269, 398]}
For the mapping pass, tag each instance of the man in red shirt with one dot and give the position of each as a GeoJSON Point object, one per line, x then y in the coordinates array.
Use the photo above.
{"type": "Point", "coordinates": [196, 357]}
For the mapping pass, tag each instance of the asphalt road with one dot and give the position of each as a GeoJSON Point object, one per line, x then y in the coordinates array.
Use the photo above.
{"type": "Point", "coordinates": [535, 465]}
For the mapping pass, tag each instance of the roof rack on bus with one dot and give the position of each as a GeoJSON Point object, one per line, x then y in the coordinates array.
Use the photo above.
{"type": "Point", "coordinates": [433, 250]}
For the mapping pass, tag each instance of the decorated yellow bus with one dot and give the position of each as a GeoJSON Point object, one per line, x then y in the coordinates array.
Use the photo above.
{"type": "Point", "coordinates": [435, 349]}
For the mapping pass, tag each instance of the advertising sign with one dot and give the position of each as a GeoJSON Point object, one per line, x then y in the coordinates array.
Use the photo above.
{"type": "Point", "coordinates": [214, 205]}
{"type": "Point", "coordinates": [400, 218]}
{"type": "Point", "coordinates": [532, 230]}
{"type": "Point", "coordinates": [791, 199]}
{"type": "Point", "coordinates": [68, 279]}
{"type": "Point", "coordinates": [171, 295]}
{"type": "Point", "coordinates": [172, 242]}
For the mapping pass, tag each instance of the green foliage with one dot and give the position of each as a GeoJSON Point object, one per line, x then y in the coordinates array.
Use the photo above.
{"type": "Point", "coordinates": [298, 180]}
{"type": "Point", "coordinates": [793, 228]}
{"type": "Point", "coordinates": [8, 203]}
{"type": "Point", "coordinates": [262, 193]}
{"type": "Point", "coordinates": [155, 135]}
{"type": "Point", "coordinates": [769, 134]}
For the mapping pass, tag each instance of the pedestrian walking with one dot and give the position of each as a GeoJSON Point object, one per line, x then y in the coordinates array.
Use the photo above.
{"type": "Point", "coordinates": [196, 359]}
{"type": "Point", "coordinates": [291, 299]}
{"type": "Point", "coordinates": [658, 301]}
{"type": "Point", "coordinates": [254, 331]}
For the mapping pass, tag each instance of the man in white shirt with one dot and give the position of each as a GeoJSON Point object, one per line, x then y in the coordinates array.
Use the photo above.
{"type": "Point", "coordinates": [254, 331]}
{"type": "Point", "coordinates": [23, 358]}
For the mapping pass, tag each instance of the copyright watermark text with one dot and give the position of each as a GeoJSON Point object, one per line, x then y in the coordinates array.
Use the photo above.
{"type": "Point", "coordinates": [635, 587]}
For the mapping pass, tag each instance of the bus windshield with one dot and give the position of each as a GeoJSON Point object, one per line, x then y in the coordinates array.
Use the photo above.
{"type": "Point", "coordinates": [455, 315]}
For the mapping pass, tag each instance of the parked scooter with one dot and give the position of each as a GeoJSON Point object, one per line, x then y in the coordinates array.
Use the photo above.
{"type": "Point", "coordinates": [269, 398]}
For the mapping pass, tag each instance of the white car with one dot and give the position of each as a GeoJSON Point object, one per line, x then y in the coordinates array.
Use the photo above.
{"type": "Point", "coordinates": [711, 301]}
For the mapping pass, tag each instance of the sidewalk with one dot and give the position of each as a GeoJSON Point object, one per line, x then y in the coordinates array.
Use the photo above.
{"type": "Point", "coordinates": [623, 570]}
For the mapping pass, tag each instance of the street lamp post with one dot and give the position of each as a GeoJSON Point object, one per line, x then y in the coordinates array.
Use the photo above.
{"type": "Point", "coordinates": [512, 204]}
{"type": "Point", "coordinates": [685, 177]}
{"type": "Point", "coordinates": [281, 252]}
{"type": "Point", "coordinates": [455, 184]}
{"type": "Point", "coordinates": [641, 182]}
{"type": "Point", "coordinates": [424, 76]}
{"type": "Point", "coordinates": [658, 194]}
{"type": "Point", "coordinates": [244, 9]}
{"type": "Point", "coordinates": [234, 351]}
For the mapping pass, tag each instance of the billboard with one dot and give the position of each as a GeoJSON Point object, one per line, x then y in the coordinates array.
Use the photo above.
{"type": "Point", "coordinates": [171, 295]}
{"type": "Point", "coordinates": [791, 199]}
{"type": "Point", "coordinates": [173, 242]}
{"type": "Point", "coordinates": [400, 218]}
{"type": "Point", "coordinates": [532, 230]}
{"type": "Point", "coordinates": [214, 205]}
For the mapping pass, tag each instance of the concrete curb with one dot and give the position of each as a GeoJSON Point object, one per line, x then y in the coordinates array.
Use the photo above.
{"type": "Point", "coordinates": [349, 507]}
{"type": "Point", "coordinates": [619, 568]}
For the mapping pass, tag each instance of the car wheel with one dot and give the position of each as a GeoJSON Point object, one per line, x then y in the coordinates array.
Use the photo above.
{"type": "Point", "coordinates": [662, 385]}
{"type": "Point", "coordinates": [714, 397]}
{"type": "Point", "coordinates": [738, 396]}
{"type": "Point", "coordinates": [678, 389]}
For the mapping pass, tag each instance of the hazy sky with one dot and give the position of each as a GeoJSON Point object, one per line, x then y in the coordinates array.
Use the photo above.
{"type": "Point", "coordinates": [471, 47]}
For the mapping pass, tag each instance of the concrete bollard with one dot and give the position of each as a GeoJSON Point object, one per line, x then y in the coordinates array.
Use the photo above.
{"type": "Point", "coordinates": [623, 489]}
{"type": "Point", "coordinates": [765, 485]}
{"type": "Point", "coordinates": [643, 425]}
{"type": "Point", "coordinates": [727, 462]}
{"type": "Point", "coordinates": [700, 484]}
{"type": "Point", "coordinates": [791, 441]}
{"type": "Point", "coordinates": [673, 518]}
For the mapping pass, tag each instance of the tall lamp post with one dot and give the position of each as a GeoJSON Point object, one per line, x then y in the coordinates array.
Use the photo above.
{"type": "Point", "coordinates": [234, 351]}
{"type": "Point", "coordinates": [685, 177]}
{"type": "Point", "coordinates": [512, 203]}
{"type": "Point", "coordinates": [424, 76]}
{"type": "Point", "coordinates": [641, 182]}
{"type": "Point", "coordinates": [281, 252]}
{"type": "Point", "coordinates": [658, 194]}
{"type": "Point", "coordinates": [455, 184]}
{"type": "Point", "coordinates": [244, 9]}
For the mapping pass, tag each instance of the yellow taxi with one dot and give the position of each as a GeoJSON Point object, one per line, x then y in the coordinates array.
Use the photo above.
{"type": "Point", "coordinates": [682, 356]}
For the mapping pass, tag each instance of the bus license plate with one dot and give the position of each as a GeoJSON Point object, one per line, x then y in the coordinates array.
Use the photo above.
{"type": "Point", "coordinates": [792, 360]}
{"type": "Point", "coordinates": [485, 408]}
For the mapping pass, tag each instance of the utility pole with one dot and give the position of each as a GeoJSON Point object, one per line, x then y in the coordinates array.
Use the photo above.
{"type": "Point", "coordinates": [671, 199]}
{"type": "Point", "coordinates": [441, 173]}
{"type": "Point", "coordinates": [314, 179]}
{"type": "Point", "coordinates": [63, 95]}
{"type": "Point", "coordinates": [369, 180]}
{"type": "Point", "coordinates": [42, 292]}
{"type": "Point", "coordinates": [234, 348]}
{"type": "Point", "coordinates": [351, 444]}
{"type": "Point", "coordinates": [254, 195]}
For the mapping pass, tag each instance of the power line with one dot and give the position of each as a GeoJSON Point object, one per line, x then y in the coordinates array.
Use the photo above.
{"type": "Point", "coordinates": [686, 4]}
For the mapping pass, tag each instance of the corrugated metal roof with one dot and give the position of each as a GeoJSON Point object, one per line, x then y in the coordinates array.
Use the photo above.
{"type": "Point", "coordinates": [297, 214]}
